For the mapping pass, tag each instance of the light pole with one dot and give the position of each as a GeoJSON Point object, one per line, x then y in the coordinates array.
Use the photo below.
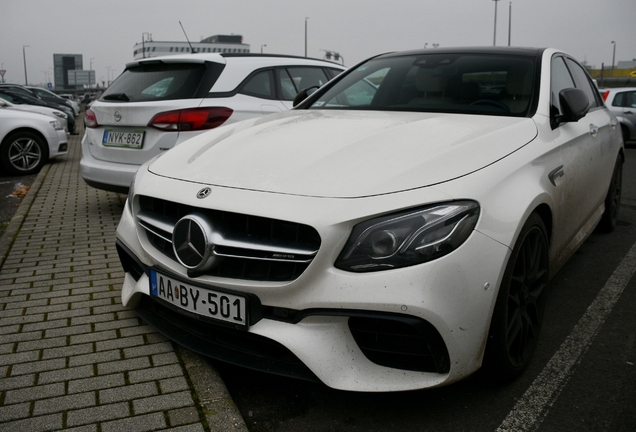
{"type": "Point", "coordinates": [264, 45]}
{"type": "Point", "coordinates": [26, 81]}
{"type": "Point", "coordinates": [613, 56]}
{"type": "Point", "coordinates": [509, 22]}
{"type": "Point", "coordinates": [306, 18]}
{"type": "Point", "coordinates": [90, 82]}
{"type": "Point", "coordinates": [494, 38]}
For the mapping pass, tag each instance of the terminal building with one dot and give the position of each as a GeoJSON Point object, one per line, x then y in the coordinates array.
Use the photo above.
{"type": "Point", "coordinates": [213, 44]}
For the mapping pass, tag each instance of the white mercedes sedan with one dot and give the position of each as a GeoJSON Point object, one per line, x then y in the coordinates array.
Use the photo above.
{"type": "Point", "coordinates": [397, 230]}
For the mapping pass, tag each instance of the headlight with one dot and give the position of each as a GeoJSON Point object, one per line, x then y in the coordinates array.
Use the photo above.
{"type": "Point", "coordinates": [408, 238]}
{"type": "Point", "coordinates": [56, 125]}
{"type": "Point", "coordinates": [60, 115]}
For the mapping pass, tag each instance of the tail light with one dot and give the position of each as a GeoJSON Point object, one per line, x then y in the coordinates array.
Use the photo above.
{"type": "Point", "coordinates": [90, 119]}
{"type": "Point", "coordinates": [605, 94]}
{"type": "Point", "coordinates": [191, 119]}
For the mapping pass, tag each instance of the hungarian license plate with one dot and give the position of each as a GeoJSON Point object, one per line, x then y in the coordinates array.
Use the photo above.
{"type": "Point", "coordinates": [217, 305]}
{"type": "Point", "coordinates": [131, 139]}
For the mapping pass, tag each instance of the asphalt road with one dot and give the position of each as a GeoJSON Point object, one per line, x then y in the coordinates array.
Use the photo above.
{"type": "Point", "coordinates": [583, 376]}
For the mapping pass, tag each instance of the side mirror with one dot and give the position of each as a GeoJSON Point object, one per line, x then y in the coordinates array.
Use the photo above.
{"type": "Point", "coordinates": [574, 105]}
{"type": "Point", "coordinates": [302, 95]}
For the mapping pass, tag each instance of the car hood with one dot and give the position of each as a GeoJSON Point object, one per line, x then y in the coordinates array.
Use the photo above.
{"type": "Point", "coordinates": [344, 154]}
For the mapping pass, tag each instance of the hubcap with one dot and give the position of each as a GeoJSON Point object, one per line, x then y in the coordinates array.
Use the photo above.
{"type": "Point", "coordinates": [24, 154]}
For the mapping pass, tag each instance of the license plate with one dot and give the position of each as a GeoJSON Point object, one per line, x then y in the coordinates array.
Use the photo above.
{"type": "Point", "coordinates": [217, 305]}
{"type": "Point", "coordinates": [132, 139]}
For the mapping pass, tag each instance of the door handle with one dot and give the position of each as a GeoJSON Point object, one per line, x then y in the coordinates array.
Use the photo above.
{"type": "Point", "coordinates": [556, 173]}
{"type": "Point", "coordinates": [594, 130]}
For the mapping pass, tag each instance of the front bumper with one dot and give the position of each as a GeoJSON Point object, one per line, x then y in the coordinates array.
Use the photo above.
{"type": "Point", "coordinates": [330, 324]}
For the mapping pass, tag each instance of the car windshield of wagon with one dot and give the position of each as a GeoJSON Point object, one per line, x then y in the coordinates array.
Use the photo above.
{"type": "Point", "coordinates": [455, 83]}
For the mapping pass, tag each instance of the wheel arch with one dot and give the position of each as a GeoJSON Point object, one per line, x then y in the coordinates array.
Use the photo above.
{"type": "Point", "coordinates": [33, 131]}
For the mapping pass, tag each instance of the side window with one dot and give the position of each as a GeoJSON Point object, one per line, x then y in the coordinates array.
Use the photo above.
{"type": "Point", "coordinates": [334, 72]}
{"type": "Point", "coordinates": [303, 78]}
{"type": "Point", "coordinates": [286, 84]}
{"type": "Point", "coordinates": [619, 100]}
{"type": "Point", "coordinates": [260, 85]}
{"type": "Point", "coordinates": [583, 82]}
{"type": "Point", "coordinates": [626, 99]}
{"type": "Point", "coordinates": [560, 80]}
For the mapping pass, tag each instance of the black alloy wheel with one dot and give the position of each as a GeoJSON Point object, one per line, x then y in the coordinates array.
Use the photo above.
{"type": "Point", "coordinates": [613, 199]}
{"type": "Point", "coordinates": [520, 307]}
{"type": "Point", "coordinates": [23, 153]}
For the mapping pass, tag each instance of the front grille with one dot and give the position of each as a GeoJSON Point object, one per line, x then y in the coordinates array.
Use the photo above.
{"type": "Point", "coordinates": [222, 343]}
{"type": "Point", "coordinates": [401, 343]}
{"type": "Point", "coordinates": [259, 249]}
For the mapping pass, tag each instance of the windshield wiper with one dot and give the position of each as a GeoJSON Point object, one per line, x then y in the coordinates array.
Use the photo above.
{"type": "Point", "coordinates": [117, 96]}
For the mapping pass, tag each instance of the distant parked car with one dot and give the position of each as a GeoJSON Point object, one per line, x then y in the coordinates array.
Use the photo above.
{"type": "Point", "coordinates": [20, 97]}
{"type": "Point", "coordinates": [622, 102]}
{"type": "Point", "coordinates": [59, 115]}
{"type": "Point", "coordinates": [158, 103]}
{"type": "Point", "coordinates": [48, 95]}
{"type": "Point", "coordinates": [28, 140]}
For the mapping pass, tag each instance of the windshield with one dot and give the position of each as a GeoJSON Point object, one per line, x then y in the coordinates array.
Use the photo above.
{"type": "Point", "coordinates": [455, 83]}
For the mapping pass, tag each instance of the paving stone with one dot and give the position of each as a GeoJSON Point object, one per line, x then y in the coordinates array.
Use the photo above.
{"type": "Point", "coordinates": [172, 385]}
{"type": "Point", "coordinates": [97, 414]}
{"type": "Point", "coordinates": [155, 373]}
{"type": "Point", "coordinates": [183, 416]}
{"type": "Point", "coordinates": [97, 383]}
{"type": "Point", "coordinates": [64, 403]}
{"type": "Point", "coordinates": [163, 402]}
{"type": "Point", "coordinates": [130, 392]}
{"type": "Point", "coordinates": [95, 357]}
{"type": "Point", "coordinates": [28, 356]}
{"type": "Point", "coordinates": [137, 423]}
{"type": "Point", "coordinates": [36, 424]}
{"type": "Point", "coordinates": [38, 366]}
{"type": "Point", "coordinates": [13, 412]}
{"type": "Point", "coordinates": [33, 393]}
{"type": "Point", "coordinates": [17, 382]}
{"type": "Point", "coordinates": [66, 374]}
{"type": "Point", "coordinates": [123, 365]}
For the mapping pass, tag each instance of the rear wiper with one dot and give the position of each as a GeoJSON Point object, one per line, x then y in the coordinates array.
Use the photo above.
{"type": "Point", "coordinates": [117, 96]}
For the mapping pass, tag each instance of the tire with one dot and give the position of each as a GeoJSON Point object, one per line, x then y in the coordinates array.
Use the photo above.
{"type": "Point", "coordinates": [23, 153]}
{"type": "Point", "coordinates": [613, 199]}
{"type": "Point", "coordinates": [520, 307]}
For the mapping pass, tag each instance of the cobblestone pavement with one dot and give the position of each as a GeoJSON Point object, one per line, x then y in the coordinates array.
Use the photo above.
{"type": "Point", "coordinates": [71, 356]}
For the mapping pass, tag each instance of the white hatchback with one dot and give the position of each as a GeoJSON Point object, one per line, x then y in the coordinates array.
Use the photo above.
{"type": "Point", "coordinates": [158, 103]}
{"type": "Point", "coordinates": [395, 231]}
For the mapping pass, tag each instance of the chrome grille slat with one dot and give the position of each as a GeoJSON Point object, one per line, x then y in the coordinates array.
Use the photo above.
{"type": "Point", "coordinates": [252, 247]}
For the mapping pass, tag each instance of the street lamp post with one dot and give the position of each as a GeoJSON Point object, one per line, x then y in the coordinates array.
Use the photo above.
{"type": "Point", "coordinates": [26, 81]}
{"type": "Point", "coordinates": [306, 18]}
{"type": "Point", "coordinates": [90, 82]}
{"type": "Point", "coordinates": [262, 46]}
{"type": "Point", "coordinates": [494, 38]}
{"type": "Point", "coordinates": [613, 56]}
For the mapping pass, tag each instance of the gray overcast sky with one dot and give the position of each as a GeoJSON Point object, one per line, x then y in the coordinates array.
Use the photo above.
{"type": "Point", "coordinates": [107, 30]}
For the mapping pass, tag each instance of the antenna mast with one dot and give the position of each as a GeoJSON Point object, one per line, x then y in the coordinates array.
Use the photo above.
{"type": "Point", "coordinates": [186, 36]}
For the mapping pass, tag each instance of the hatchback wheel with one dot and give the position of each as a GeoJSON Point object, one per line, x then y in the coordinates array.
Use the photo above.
{"type": "Point", "coordinates": [518, 315]}
{"type": "Point", "coordinates": [23, 153]}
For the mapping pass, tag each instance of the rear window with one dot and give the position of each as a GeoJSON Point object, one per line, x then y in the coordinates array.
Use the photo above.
{"type": "Point", "coordinates": [156, 82]}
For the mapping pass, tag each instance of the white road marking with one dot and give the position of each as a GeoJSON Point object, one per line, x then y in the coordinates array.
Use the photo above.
{"type": "Point", "coordinates": [532, 408]}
